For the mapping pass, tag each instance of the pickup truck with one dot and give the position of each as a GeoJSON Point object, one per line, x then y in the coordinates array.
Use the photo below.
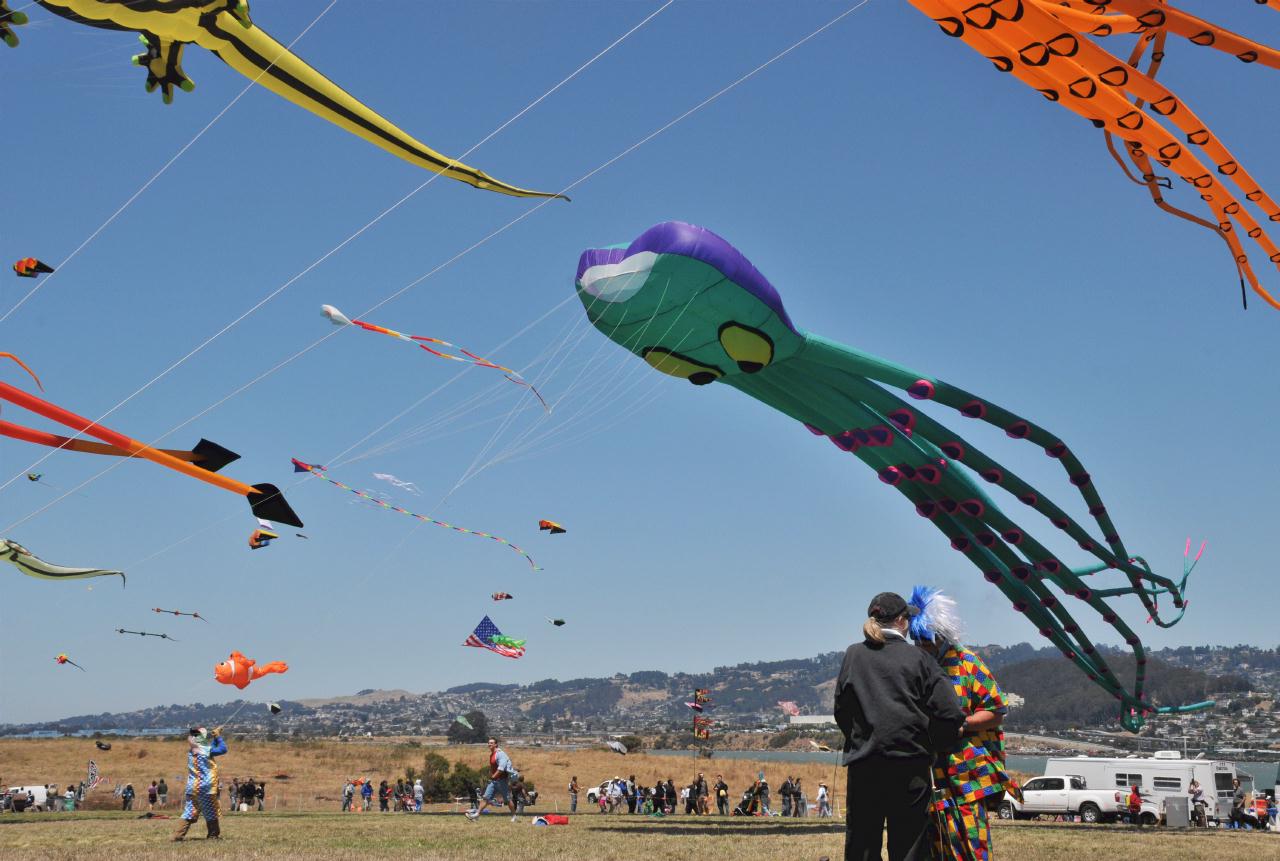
{"type": "Point", "coordinates": [1067, 795]}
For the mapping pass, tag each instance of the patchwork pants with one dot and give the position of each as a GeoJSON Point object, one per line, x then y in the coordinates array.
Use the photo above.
{"type": "Point", "coordinates": [961, 832]}
{"type": "Point", "coordinates": [202, 804]}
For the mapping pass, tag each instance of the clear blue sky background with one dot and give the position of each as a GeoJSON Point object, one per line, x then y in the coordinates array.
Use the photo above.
{"type": "Point", "coordinates": [903, 197]}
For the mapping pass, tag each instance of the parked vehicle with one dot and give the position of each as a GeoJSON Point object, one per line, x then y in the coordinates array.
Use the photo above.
{"type": "Point", "coordinates": [38, 795]}
{"type": "Point", "coordinates": [1064, 795]}
{"type": "Point", "coordinates": [1164, 775]}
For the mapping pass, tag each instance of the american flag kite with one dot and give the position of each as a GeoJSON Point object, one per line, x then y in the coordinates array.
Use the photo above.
{"type": "Point", "coordinates": [481, 638]}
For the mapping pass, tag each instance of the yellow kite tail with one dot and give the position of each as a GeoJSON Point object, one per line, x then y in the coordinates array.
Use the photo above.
{"type": "Point", "coordinates": [257, 56]}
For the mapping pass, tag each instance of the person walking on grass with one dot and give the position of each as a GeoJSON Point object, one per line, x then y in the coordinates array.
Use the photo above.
{"type": "Point", "coordinates": [260, 794]}
{"type": "Point", "coordinates": [824, 801]}
{"type": "Point", "coordinates": [573, 794]}
{"type": "Point", "coordinates": [419, 795]}
{"type": "Point", "coordinates": [152, 796]}
{"type": "Point", "coordinates": [896, 710]}
{"type": "Point", "coordinates": [203, 747]}
{"type": "Point", "coordinates": [500, 773]}
{"type": "Point", "coordinates": [162, 791]}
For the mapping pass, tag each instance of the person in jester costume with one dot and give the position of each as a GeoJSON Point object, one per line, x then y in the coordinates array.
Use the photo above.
{"type": "Point", "coordinates": [970, 779]}
{"type": "Point", "coordinates": [202, 781]}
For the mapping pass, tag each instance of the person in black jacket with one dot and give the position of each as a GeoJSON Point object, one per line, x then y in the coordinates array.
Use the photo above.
{"type": "Point", "coordinates": [896, 710]}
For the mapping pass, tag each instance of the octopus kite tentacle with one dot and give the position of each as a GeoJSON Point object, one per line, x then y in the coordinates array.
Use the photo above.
{"type": "Point", "coordinates": [737, 332]}
{"type": "Point", "coordinates": [1047, 46]}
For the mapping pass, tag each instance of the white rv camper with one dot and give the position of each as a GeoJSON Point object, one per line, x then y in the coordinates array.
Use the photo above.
{"type": "Point", "coordinates": [1164, 775]}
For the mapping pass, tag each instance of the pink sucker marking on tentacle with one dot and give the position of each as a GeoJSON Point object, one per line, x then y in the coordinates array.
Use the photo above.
{"type": "Point", "coordinates": [1109, 618]}
{"type": "Point", "coordinates": [1133, 641]}
{"type": "Point", "coordinates": [929, 474]}
{"type": "Point", "coordinates": [1089, 650]}
{"type": "Point", "coordinates": [921, 390]}
{"type": "Point", "coordinates": [861, 436]}
{"type": "Point", "coordinates": [1050, 565]}
{"type": "Point", "coordinates": [986, 539]}
{"type": "Point", "coordinates": [992, 576]}
{"type": "Point", "coordinates": [1013, 536]}
{"type": "Point", "coordinates": [817, 432]}
{"type": "Point", "coordinates": [1029, 499]}
{"type": "Point", "coordinates": [948, 505]}
{"type": "Point", "coordinates": [960, 543]}
{"type": "Point", "coordinates": [1068, 655]}
{"type": "Point", "coordinates": [1018, 430]}
{"type": "Point", "coordinates": [880, 435]}
{"type": "Point", "coordinates": [1142, 662]}
{"type": "Point", "coordinates": [1020, 606]}
{"type": "Point", "coordinates": [1092, 677]}
{"type": "Point", "coordinates": [1081, 479]}
{"type": "Point", "coordinates": [1071, 628]}
{"type": "Point", "coordinates": [973, 507]}
{"type": "Point", "coordinates": [1021, 572]}
{"type": "Point", "coordinates": [953, 450]}
{"type": "Point", "coordinates": [992, 475]}
{"type": "Point", "coordinates": [890, 475]}
{"type": "Point", "coordinates": [844, 441]}
{"type": "Point", "coordinates": [1084, 594]}
{"type": "Point", "coordinates": [1046, 632]}
{"type": "Point", "coordinates": [1112, 539]}
{"type": "Point", "coordinates": [904, 418]}
{"type": "Point", "coordinates": [1086, 545]}
{"type": "Point", "coordinates": [1048, 602]}
{"type": "Point", "coordinates": [1060, 522]}
{"type": "Point", "coordinates": [1058, 449]}
{"type": "Point", "coordinates": [975, 409]}
{"type": "Point", "coordinates": [927, 509]}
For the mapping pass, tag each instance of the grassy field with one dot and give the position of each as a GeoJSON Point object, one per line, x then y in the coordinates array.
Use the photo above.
{"type": "Point", "coordinates": [302, 819]}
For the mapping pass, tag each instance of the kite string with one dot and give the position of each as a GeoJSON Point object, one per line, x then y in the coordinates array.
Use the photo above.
{"type": "Point", "coordinates": [40, 285]}
{"type": "Point", "coordinates": [277, 291]}
{"type": "Point", "coordinates": [493, 234]}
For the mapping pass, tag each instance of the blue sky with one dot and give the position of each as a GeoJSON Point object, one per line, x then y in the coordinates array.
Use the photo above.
{"type": "Point", "coordinates": [902, 196]}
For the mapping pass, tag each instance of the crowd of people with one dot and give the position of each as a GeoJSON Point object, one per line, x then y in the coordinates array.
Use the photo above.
{"type": "Point", "coordinates": [248, 794]}
{"type": "Point", "coordinates": [701, 798]}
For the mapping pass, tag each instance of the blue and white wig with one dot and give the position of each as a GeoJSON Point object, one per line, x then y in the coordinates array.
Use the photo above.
{"type": "Point", "coordinates": [937, 619]}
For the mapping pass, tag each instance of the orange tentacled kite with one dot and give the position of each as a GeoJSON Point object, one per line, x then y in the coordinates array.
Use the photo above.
{"type": "Point", "coordinates": [202, 462]}
{"type": "Point", "coordinates": [1049, 45]}
{"type": "Point", "coordinates": [239, 671]}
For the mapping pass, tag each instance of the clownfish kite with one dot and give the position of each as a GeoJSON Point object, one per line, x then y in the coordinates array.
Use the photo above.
{"type": "Point", "coordinates": [551, 526]}
{"type": "Point", "coordinates": [30, 267]}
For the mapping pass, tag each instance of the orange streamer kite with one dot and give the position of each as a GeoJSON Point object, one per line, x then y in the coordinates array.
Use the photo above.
{"type": "Point", "coordinates": [1046, 44]}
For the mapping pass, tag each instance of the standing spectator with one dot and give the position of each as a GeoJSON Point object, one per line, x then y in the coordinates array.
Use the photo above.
{"type": "Point", "coordinates": [824, 801]}
{"type": "Point", "coordinates": [366, 792]}
{"type": "Point", "coordinates": [126, 797]}
{"type": "Point", "coordinates": [722, 796]}
{"type": "Point", "coordinates": [573, 794]}
{"type": "Point", "coordinates": [152, 796]}
{"type": "Point", "coordinates": [672, 797]}
{"type": "Point", "coordinates": [348, 792]}
{"type": "Point", "coordinates": [1198, 803]}
{"type": "Point", "coordinates": [629, 793]}
{"type": "Point", "coordinates": [763, 792]}
{"type": "Point", "coordinates": [970, 776]}
{"type": "Point", "coordinates": [398, 795]}
{"type": "Point", "coordinates": [260, 794]}
{"type": "Point", "coordinates": [799, 804]}
{"type": "Point", "coordinates": [1237, 804]}
{"type": "Point", "coordinates": [896, 710]}
{"type": "Point", "coordinates": [785, 792]}
{"type": "Point", "coordinates": [700, 786]}
{"type": "Point", "coordinates": [162, 790]}
{"type": "Point", "coordinates": [248, 795]}
{"type": "Point", "coordinates": [500, 773]}
{"type": "Point", "coordinates": [69, 799]}
{"type": "Point", "coordinates": [1135, 806]}
{"type": "Point", "coordinates": [660, 797]}
{"type": "Point", "coordinates": [419, 795]}
{"type": "Point", "coordinates": [384, 796]}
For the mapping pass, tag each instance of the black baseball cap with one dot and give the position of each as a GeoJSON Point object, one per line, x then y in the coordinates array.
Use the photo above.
{"type": "Point", "coordinates": [888, 606]}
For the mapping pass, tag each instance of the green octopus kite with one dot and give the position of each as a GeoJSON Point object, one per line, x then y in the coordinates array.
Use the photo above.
{"type": "Point", "coordinates": [694, 307]}
{"type": "Point", "coordinates": [223, 27]}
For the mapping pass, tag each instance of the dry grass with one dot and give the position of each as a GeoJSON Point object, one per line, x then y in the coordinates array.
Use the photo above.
{"type": "Point", "coordinates": [293, 828]}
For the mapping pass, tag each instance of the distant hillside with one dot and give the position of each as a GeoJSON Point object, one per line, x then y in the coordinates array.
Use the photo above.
{"type": "Point", "coordinates": [745, 697]}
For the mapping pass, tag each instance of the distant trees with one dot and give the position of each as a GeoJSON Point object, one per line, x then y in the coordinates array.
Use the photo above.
{"type": "Point", "coordinates": [479, 731]}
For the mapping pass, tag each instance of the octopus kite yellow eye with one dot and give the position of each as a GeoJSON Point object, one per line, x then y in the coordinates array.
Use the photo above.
{"type": "Point", "coordinates": [668, 362]}
{"type": "Point", "coordinates": [750, 348]}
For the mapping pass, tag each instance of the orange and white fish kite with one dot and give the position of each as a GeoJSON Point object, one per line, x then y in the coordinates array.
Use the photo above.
{"type": "Point", "coordinates": [239, 671]}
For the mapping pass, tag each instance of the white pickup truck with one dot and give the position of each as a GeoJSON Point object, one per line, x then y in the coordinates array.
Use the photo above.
{"type": "Point", "coordinates": [1067, 795]}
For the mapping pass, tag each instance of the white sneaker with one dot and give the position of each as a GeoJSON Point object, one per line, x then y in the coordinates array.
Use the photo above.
{"type": "Point", "coordinates": [515, 819]}
{"type": "Point", "coordinates": [473, 815]}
